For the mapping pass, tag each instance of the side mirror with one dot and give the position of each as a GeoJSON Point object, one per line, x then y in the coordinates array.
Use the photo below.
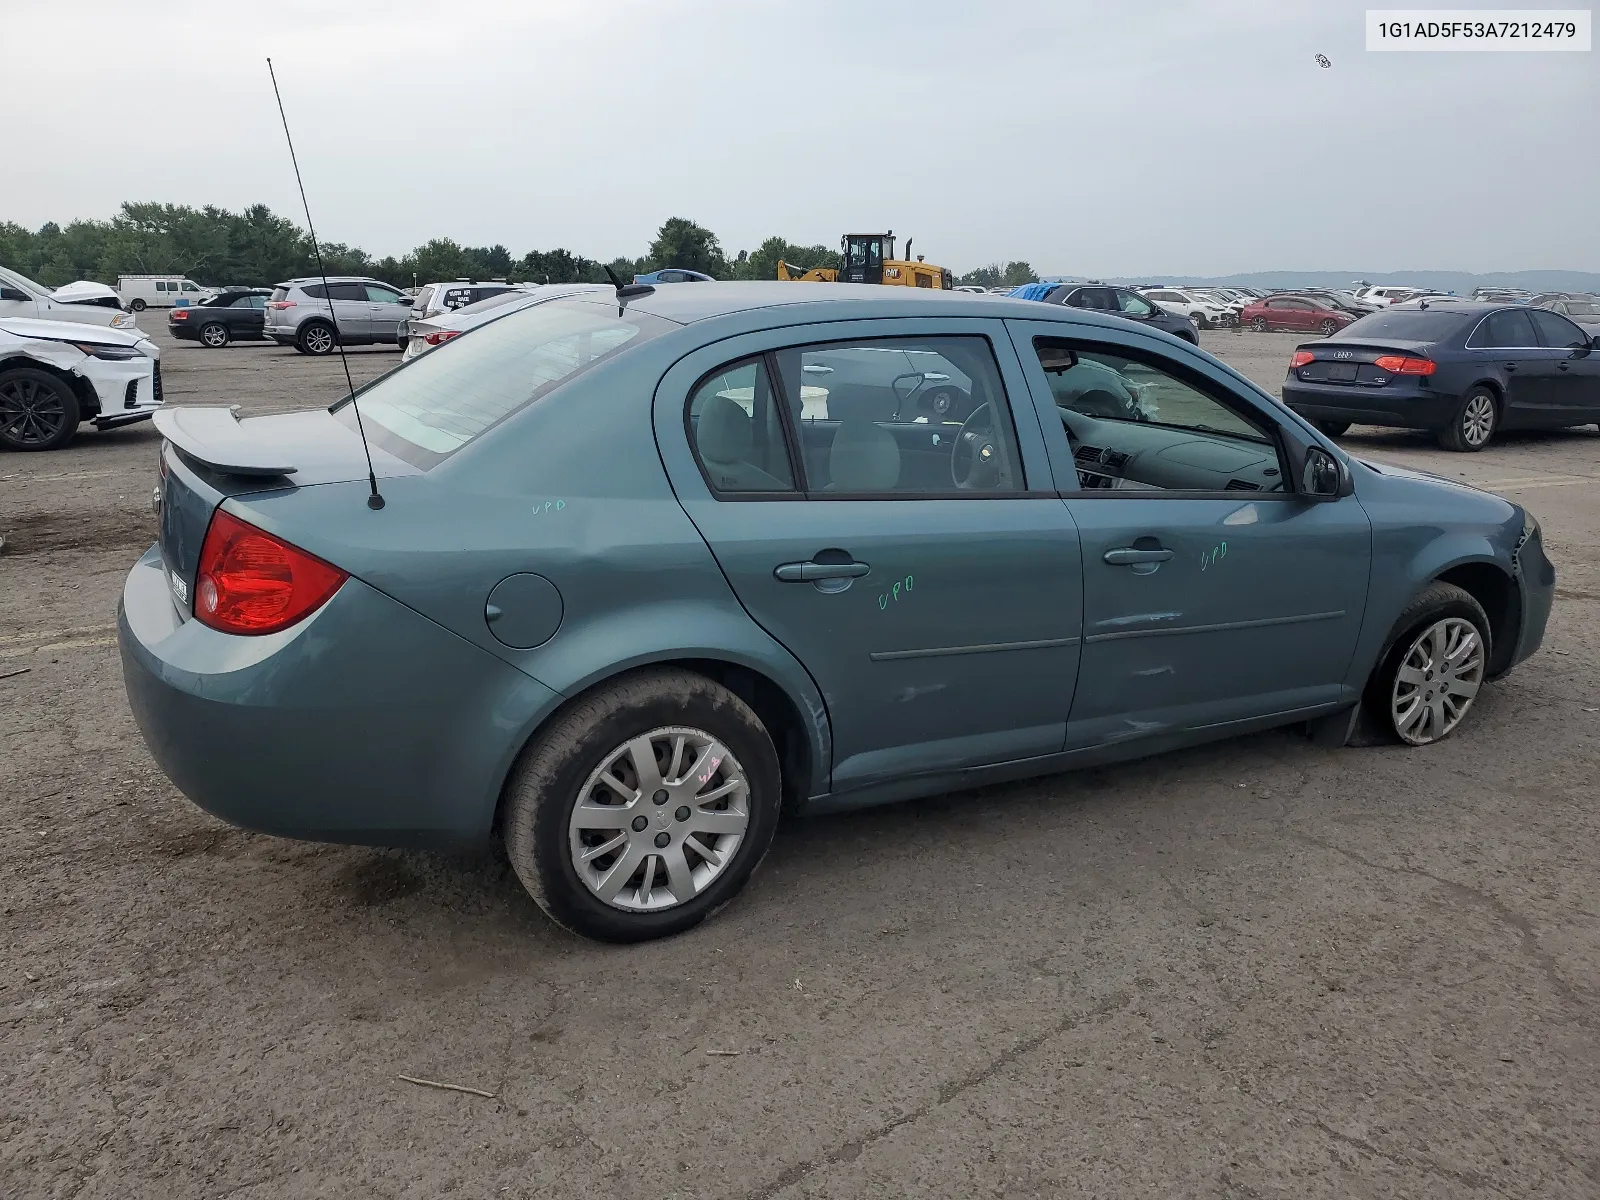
{"type": "Point", "coordinates": [407, 301]}
{"type": "Point", "coordinates": [1322, 477]}
{"type": "Point", "coordinates": [11, 293]}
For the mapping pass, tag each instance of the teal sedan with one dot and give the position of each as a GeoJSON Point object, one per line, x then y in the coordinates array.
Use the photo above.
{"type": "Point", "coordinates": [631, 575]}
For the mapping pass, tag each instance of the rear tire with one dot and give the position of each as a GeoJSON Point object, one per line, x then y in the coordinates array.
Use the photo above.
{"type": "Point", "coordinates": [38, 411]}
{"type": "Point", "coordinates": [137, 305]}
{"type": "Point", "coordinates": [214, 335]}
{"type": "Point", "coordinates": [559, 770]}
{"type": "Point", "coordinates": [1474, 424]}
{"type": "Point", "coordinates": [1333, 428]}
{"type": "Point", "coordinates": [1438, 614]}
{"type": "Point", "coordinates": [316, 337]}
{"type": "Point", "coordinates": [1259, 324]}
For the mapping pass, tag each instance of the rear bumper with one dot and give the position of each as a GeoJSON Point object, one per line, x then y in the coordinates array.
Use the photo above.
{"type": "Point", "coordinates": [365, 723]}
{"type": "Point", "coordinates": [1411, 409]}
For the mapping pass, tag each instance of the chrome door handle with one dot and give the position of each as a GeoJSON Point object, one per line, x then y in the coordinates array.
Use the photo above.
{"type": "Point", "coordinates": [1511, 366]}
{"type": "Point", "coordinates": [1561, 366]}
{"type": "Point", "coordinates": [1128, 556]}
{"type": "Point", "coordinates": [810, 572]}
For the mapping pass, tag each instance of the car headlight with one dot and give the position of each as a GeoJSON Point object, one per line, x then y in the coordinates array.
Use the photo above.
{"type": "Point", "coordinates": [121, 319]}
{"type": "Point", "coordinates": [101, 350]}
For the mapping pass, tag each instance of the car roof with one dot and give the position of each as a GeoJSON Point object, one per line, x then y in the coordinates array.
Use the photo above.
{"type": "Point", "coordinates": [843, 301]}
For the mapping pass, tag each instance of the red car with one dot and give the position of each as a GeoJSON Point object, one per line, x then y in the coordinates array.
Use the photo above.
{"type": "Point", "coordinates": [1294, 312]}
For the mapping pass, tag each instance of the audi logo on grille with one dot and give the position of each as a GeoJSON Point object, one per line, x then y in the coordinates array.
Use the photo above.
{"type": "Point", "coordinates": [1344, 353]}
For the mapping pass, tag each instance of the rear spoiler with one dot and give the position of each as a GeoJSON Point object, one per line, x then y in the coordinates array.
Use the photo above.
{"type": "Point", "coordinates": [214, 436]}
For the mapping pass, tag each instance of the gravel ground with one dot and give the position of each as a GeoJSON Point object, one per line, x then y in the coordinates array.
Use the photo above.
{"type": "Point", "coordinates": [1257, 969]}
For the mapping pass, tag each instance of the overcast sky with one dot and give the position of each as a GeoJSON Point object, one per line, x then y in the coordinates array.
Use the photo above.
{"type": "Point", "coordinates": [1085, 136]}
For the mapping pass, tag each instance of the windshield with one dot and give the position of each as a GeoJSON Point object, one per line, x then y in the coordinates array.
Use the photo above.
{"type": "Point", "coordinates": [1581, 308]}
{"type": "Point", "coordinates": [1414, 325]}
{"type": "Point", "coordinates": [439, 402]}
{"type": "Point", "coordinates": [23, 282]}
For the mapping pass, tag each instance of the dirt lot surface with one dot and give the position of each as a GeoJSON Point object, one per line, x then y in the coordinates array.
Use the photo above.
{"type": "Point", "coordinates": [1258, 969]}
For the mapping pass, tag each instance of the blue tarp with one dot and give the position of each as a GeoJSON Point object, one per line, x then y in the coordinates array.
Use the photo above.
{"type": "Point", "coordinates": [1033, 291]}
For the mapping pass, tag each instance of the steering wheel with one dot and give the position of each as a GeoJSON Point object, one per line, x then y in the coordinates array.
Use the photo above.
{"type": "Point", "coordinates": [975, 458]}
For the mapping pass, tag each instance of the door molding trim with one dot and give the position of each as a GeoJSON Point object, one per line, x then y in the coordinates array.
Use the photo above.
{"type": "Point", "coordinates": [1168, 631]}
{"type": "Point", "coordinates": [986, 648]}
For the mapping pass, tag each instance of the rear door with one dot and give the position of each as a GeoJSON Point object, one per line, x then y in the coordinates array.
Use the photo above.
{"type": "Point", "coordinates": [940, 622]}
{"type": "Point", "coordinates": [1509, 347]}
{"type": "Point", "coordinates": [350, 310]}
{"type": "Point", "coordinates": [1213, 594]}
{"type": "Point", "coordinates": [1575, 385]}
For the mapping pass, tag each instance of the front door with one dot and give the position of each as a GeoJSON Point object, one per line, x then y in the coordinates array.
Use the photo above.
{"type": "Point", "coordinates": [1212, 593]}
{"type": "Point", "coordinates": [1575, 379]}
{"type": "Point", "coordinates": [384, 312]}
{"type": "Point", "coordinates": [1507, 345]}
{"type": "Point", "coordinates": [934, 598]}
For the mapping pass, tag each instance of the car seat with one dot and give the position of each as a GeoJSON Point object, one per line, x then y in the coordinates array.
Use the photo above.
{"type": "Point", "coordinates": [725, 438]}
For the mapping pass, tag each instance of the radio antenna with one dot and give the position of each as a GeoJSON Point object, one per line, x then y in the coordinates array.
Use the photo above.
{"type": "Point", "coordinates": [375, 500]}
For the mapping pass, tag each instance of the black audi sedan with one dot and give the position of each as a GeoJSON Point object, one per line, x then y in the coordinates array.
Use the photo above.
{"type": "Point", "coordinates": [1123, 302]}
{"type": "Point", "coordinates": [1459, 370]}
{"type": "Point", "coordinates": [235, 313]}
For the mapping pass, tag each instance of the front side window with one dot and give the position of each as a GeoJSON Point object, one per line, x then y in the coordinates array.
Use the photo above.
{"type": "Point", "coordinates": [1556, 331]}
{"type": "Point", "coordinates": [1140, 424]}
{"type": "Point", "coordinates": [1134, 305]}
{"type": "Point", "coordinates": [438, 403]}
{"type": "Point", "coordinates": [188, 286]}
{"type": "Point", "coordinates": [381, 295]}
{"type": "Point", "coordinates": [912, 416]}
{"type": "Point", "coordinates": [736, 430]}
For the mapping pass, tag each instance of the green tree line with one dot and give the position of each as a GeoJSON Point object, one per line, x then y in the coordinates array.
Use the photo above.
{"type": "Point", "coordinates": [258, 248]}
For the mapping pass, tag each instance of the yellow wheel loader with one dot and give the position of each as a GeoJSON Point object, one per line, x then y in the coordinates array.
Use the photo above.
{"type": "Point", "coordinates": [869, 258]}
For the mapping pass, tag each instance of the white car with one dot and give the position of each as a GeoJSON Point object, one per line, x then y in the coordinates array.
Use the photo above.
{"type": "Point", "coordinates": [1203, 310]}
{"type": "Point", "coordinates": [22, 297]}
{"type": "Point", "coordinates": [1386, 294]}
{"type": "Point", "coordinates": [54, 375]}
{"type": "Point", "coordinates": [424, 335]}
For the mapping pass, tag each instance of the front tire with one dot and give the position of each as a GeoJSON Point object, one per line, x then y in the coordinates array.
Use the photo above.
{"type": "Point", "coordinates": [1474, 424]}
{"type": "Point", "coordinates": [1329, 327]}
{"type": "Point", "coordinates": [214, 335]}
{"type": "Point", "coordinates": [644, 808]}
{"type": "Point", "coordinates": [38, 411]}
{"type": "Point", "coordinates": [317, 338]}
{"type": "Point", "coordinates": [1431, 676]}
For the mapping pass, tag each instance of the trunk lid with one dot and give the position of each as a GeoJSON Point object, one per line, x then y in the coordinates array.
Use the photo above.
{"type": "Point", "coordinates": [1352, 363]}
{"type": "Point", "coordinates": [211, 454]}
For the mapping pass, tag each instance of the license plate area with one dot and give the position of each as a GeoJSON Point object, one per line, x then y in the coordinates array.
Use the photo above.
{"type": "Point", "coordinates": [1341, 372]}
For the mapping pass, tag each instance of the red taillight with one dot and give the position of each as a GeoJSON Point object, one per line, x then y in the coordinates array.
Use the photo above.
{"type": "Point", "coordinates": [1300, 359]}
{"type": "Point", "coordinates": [252, 583]}
{"type": "Point", "coordinates": [1397, 364]}
{"type": "Point", "coordinates": [280, 303]}
{"type": "Point", "coordinates": [440, 337]}
{"type": "Point", "coordinates": [179, 314]}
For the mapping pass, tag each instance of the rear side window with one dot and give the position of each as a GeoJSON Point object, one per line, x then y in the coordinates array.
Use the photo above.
{"type": "Point", "coordinates": [438, 403]}
{"type": "Point", "coordinates": [736, 430]}
{"type": "Point", "coordinates": [315, 291]}
{"type": "Point", "coordinates": [1511, 330]}
{"type": "Point", "coordinates": [901, 416]}
{"type": "Point", "coordinates": [346, 291]}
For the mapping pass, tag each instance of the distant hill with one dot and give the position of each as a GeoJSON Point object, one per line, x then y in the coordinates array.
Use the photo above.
{"type": "Point", "coordinates": [1460, 282]}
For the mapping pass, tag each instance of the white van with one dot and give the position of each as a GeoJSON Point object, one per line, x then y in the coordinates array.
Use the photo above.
{"type": "Point", "coordinates": [140, 292]}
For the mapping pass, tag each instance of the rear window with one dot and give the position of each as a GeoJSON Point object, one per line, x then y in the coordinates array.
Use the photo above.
{"type": "Point", "coordinates": [1415, 325]}
{"type": "Point", "coordinates": [280, 293]}
{"type": "Point", "coordinates": [441, 401]}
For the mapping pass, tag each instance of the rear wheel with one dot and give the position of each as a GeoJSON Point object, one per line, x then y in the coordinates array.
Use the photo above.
{"type": "Point", "coordinates": [1430, 678]}
{"type": "Point", "coordinates": [214, 334]}
{"type": "Point", "coordinates": [136, 304]}
{"type": "Point", "coordinates": [316, 337]}
{"type": "Point", "coordinates": [1259, 324]}
{"type": "Point", "coordinates": [37, 410]}
{"type": "Point", "coordinates": [1474, 423]}
{"type": "Point", "coordinates": [1333, 428]}
{"type": "Point", "coordinates": [644, 808]}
